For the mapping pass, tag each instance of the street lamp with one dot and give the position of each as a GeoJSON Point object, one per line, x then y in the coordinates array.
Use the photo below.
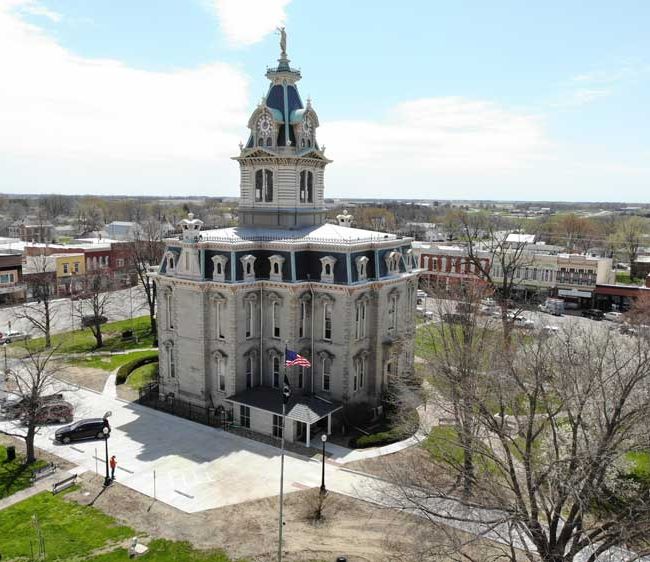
{"type": "Point", "coordinates": [323, 490]}
{"type": "Point", "coordinates": [106, 431]}
{"type": "Point", "coordinates": [4, 346]}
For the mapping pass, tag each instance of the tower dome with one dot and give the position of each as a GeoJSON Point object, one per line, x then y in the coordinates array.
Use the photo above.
{"type": "Point", "coordinates": [282, 166]}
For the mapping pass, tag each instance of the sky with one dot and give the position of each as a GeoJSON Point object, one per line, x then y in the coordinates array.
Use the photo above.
{"type": "Point", "coordinates": [455, 99]}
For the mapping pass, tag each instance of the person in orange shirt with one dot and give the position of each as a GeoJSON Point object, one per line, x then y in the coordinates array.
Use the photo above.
{"type": "Point", "coordinates": [113, 464]}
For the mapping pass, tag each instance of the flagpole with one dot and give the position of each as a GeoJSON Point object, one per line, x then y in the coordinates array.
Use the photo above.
{"type": "Point", "coordinates": [285, 398]}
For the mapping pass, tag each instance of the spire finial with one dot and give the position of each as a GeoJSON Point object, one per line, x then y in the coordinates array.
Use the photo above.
{"type": "Point", "coordinates": [283, 42]}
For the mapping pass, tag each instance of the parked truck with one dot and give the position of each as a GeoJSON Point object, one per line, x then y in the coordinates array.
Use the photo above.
{"type": "Point", "coordinates": [553, 306]}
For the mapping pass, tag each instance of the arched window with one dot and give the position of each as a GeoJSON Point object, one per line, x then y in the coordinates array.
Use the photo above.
{"type": "Point", "coordinates": [306, 187]}
{"type": "Point", "coordinates": [276, 371]}
{"type": "Point", "coordinates": [302, 143]}
{"type": "Point", "coordinates": [260, 142]}
{"type": "Point", "coordinates": [250, 366]}
{"type": "Point", "coordinates": [264, 186]}
{"type": "Point", "coordinates": [171, 263]}
{"type": "Point", "coordinates": [327, 373]}
{"type": "Point", "coordinates": [269, 142]}
{"type": "Point", "coordinates": [310, 187]}
{"type": "Point", "coordinates": [328, 269]}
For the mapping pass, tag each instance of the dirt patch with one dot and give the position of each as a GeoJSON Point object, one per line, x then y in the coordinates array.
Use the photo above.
{"type": "Point", "coordinates": [353, 528]}
{"type": "Point", "coordinates": [94, 379]}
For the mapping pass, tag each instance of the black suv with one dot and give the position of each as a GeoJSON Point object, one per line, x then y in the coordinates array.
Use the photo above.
{"type": "Point", "coordinates": [593, 313]}
{"type": "Point", "coordinates": [83, 429]}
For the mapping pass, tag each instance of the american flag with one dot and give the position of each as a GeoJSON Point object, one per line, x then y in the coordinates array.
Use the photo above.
{"type": "Point", "coordinates": [292, 358]}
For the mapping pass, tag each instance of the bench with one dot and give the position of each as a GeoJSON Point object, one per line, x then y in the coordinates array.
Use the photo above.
{"type": "Point", "coordinates": [64, 484]}
{"type": "Point", "coordinates": [48, 469]}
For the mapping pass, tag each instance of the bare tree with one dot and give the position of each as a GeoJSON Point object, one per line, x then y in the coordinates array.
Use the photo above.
{"type": "Point", "coordinates": [557, 416]}
{"type": "Point", "coordinates": [40, 312]}
{"type": "Point", "coordinates": [461, 346]}
{"type": "Point", "coordinates": [629, 236]}
{"type": "Point", "coordinates": [31, 382]}
{"type": "Point", "coordinates": [93, 303]}
{"type": "Point", "coordinates": [497, 259]}
{"type": "Point", "coordinates": [146, 253]}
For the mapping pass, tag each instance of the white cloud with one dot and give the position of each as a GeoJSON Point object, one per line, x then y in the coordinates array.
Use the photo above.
{"type": "Point", "coordinates": [35, 8]}
{"type": "Point", "coordinates": [580, 97]}
{"type": "Point", "coordinates": [441, 135]}
{"type": "Point", "coordinates": [55, 105]}
{"type": "Point", "coordinates": [245, 22]}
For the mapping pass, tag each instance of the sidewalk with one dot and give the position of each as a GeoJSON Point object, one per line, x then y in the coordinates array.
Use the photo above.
{"type": "Point", "coordinates": [41, 486]}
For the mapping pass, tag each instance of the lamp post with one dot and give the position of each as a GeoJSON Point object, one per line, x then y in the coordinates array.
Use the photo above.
{"type": "Point", "coordinates": [4, 346]}
{"type": "Point", "coordinates": [323, 490]}
{"type": "Point", "coordinates": [106, 431]}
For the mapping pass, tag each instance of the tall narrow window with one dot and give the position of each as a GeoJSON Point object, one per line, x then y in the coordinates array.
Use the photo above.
{"type": "Point", "coordinates": [259, 185]}
{"type": "Point", "coordinates": [172, 362]}
{"type": "Point", "coordinates": [249, 371]}
{"type": "Point", "coordinates": [275, 317]}
{"type": "Point", "coordinates": [355, 377]}
{"type": "Point", "coordinates": [169, 311]}
{"type": "Point", "coordinates": [303, 184]}
{"type": "Point", "coordinates": [218, 304]}
{"type": "Point", "coordinates": [327, 373]}
{"type": "Point", "coordinates": [244, 416]}
{"type": "Point", "coordinates": [360, 320]}
{"type": "Point", "coordinates": [301, 376]}
{"type": "Point", "coordinates": [310, 187]}
{"type": "Point", "coordinates": [276, 371]}
{"type": "Point", "coordinates": [327, 321]}
{"type": "Point", "coordinates": [221, 373]}
{"type": "Point", "coordinates": [250, 319]}
{"type": "Point", "coordinates": [392, 312]}
{"type": "Point", "coordinates": [302, 328]}
{"type": "Point", "coordinates": [268, 186]}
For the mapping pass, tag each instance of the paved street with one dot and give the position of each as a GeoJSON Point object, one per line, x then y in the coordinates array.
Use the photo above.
{"type": "Point", "coordinates": [122, 304]}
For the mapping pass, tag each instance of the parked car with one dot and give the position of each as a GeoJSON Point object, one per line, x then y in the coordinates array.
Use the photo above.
{"type": "Point", "coordinates": [550, 330]}
{"type": "Point", "coordinates": [14, 336]}
{"type": "Point", "coordinates": [90, 320]}
{"type": "Point", "coordinates": [13, 407]}
{"type": "Point", "coordinates": [521, 322]}
{"type": "Point", "coordinates": [58, 411]}
{"type": "Point", "coordinates": [593, 313]}
{"type": "Point", "coordinates": [553, 306]}
{"type": "Point", "coordinates": [613, 316]}
{"type": "Point", "coordinates": [83, 429]}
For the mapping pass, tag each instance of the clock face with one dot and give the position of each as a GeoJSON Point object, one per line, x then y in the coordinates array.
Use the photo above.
{"type": "Point", "coordinates": [307, 126]}
{"type": "Point", "coordinates": [265, 126]}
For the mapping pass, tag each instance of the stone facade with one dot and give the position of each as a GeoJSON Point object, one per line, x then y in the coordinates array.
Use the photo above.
{"type": "Point", "coordinates": [231, 300]}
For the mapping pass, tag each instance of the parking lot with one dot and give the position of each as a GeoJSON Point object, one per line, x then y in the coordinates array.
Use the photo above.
{"type": "Point", "coordinates": [196, 467]}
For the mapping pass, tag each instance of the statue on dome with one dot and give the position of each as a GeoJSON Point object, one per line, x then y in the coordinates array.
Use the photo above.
{"type": "Point", "coordinates": [283, 41]}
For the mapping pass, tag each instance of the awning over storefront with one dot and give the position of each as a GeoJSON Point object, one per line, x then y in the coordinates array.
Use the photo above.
{"type": "Point", "coordinates": [574, 293]}
{"type": "Point", "coordinates": [302, 408]}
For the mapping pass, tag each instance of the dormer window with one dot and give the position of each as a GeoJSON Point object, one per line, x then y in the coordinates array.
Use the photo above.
{"type": "Point", "coordinates": [219, 270]}
{"type": "Point", "coordinates": [327, 270]}
{"type": "Point", "coordinates": [392, 262]}
{"type": "Point", "coordinates": [306, 186]}
{"type": "Point", "coordinates": [264, 186]}
{"type": "Point", "coordinates": [362, 267]}
{"type": "Point", "coordinates": [171, 262]}
{"type": "Point", "coordinates": [276, 267]}
{"type": "Point", "coordinates": [248, 264]}
{"type": "Point", "coordinates": [409, 259]}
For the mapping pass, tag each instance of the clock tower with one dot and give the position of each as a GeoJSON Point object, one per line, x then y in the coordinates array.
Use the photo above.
{"type": "Point", "coordinates": [282, 165]}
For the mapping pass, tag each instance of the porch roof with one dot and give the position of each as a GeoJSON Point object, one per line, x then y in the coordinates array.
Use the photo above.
{"type": "Point", "coordinates": [302, 408]}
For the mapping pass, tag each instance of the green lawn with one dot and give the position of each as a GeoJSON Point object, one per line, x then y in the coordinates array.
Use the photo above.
{"type": "Point", "coordinates": [74, 532]}
{"type": "Point", "coordinates": [640, 465]}
{"type": "Point", "coordinates": [81, 341]}
{"type": "Point", "coordinates": [161, 550]}
{"type": "Point", "coordinates": [108, 363]}
{"type": "Point", "coordinates": [14, 475]}
{"type": "Point", "coordinates": [142, 376]}
{"type": "Point", "coordinates": [69, 529]}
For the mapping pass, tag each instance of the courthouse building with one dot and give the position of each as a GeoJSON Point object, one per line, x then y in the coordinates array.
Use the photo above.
{"type": "Point", "coordinates": [231, 299]}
